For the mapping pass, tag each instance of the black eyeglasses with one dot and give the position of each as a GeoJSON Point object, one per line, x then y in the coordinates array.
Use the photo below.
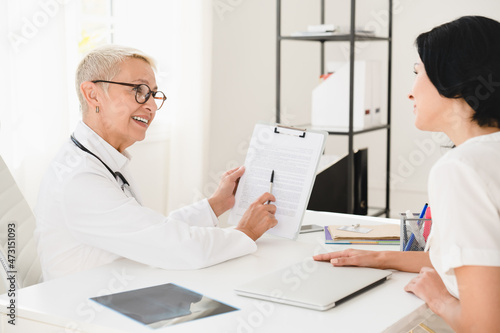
{"type": "Point", "coordinates": [142, 93]}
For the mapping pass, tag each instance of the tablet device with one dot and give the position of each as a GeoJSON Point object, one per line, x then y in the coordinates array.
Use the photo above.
{"type": "Point", "coordinates": [163, 305]}
{"type": "Point", "coordinates": [310, 228]}
{"type": "Point", "coordinates": [313, 284]}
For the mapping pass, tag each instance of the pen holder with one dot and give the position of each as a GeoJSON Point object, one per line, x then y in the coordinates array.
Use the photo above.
{"type": "Point", "coordinates": [415, 227]}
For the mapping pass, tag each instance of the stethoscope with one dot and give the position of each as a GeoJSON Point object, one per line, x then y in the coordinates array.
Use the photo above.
{"type": "Point", "coordinates": [116, 174]}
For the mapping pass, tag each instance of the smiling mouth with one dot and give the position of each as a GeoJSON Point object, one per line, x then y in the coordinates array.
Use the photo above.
{"type": "Point", "coordinates": [142, 120]}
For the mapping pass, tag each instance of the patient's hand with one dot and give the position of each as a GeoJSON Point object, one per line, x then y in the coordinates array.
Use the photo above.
{"type": "Point", "coordinates": [352, 257]}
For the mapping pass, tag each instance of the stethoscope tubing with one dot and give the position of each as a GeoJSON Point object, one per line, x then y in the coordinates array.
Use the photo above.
{"type": "Point", "coordinates": [116, 174]}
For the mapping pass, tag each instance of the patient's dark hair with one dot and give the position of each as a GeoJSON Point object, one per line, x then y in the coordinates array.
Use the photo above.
{"type": "Point", "coordinates": [462, 60]}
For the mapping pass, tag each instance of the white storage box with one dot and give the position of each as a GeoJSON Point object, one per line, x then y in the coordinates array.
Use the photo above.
{"type": "Point", "coordinates": [330, 100]}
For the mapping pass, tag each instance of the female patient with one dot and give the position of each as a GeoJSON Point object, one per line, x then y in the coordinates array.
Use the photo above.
{"type": "Point", "coordinates": [456, 91]}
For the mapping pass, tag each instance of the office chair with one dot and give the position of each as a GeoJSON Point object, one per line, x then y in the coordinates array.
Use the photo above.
{"type": "Point", "coordinates": [15, 210]}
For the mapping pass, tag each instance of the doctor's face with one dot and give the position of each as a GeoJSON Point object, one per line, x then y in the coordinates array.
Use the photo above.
{"type": "Point", "coordinates": [122, 120]}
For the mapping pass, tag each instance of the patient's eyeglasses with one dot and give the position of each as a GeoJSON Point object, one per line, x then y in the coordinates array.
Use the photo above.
{"type": "Point", "coordinates": [142, 92]}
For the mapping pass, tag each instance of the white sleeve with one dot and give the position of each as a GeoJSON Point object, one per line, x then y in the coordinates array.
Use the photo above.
{"type": "Point", "coordinates": [466, 222]}
{"type": "Point", "coordinates": [197, 214]}
{"type": "Point", "coordinates": [99, 214]}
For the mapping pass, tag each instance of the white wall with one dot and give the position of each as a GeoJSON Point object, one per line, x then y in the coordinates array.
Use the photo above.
{"type": "Point", "coordinates": [243, 83]}
{"type": "Point", "coordinates": [34, 115]}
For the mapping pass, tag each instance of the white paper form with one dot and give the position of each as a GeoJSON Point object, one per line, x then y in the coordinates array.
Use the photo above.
{"type": "Point", "coordinates": [294, 160]}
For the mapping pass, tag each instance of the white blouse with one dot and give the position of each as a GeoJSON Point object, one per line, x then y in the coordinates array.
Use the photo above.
{"type": "Point", "coordinates": [84, 218]}
{"type": "Point", "coordinates": [464, 195]}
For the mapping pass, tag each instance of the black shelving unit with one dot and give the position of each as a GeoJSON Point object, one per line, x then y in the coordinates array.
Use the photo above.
{"type": "Point", "coordinates": [352, 38]}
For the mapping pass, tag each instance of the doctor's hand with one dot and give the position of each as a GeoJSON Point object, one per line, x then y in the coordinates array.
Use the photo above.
{"type": "Point", "coordinates": [259, 217]}
{"type": "Point", "coordinates": [223, 198]}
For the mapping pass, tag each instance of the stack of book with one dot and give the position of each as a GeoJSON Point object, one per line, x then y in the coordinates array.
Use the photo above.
{"type": "Point", "coordinates": [316, 30]}
{"type": "Point", "coordinates": [386, 234]}
{"type": "Point", "coordinates": [331, 30]}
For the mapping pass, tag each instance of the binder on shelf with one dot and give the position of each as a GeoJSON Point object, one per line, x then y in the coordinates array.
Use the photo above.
{"type": "Point", "coordinates": [329, 193]}
{"type": "Point", "coordinates": [330, 99]}
{"type": "Point", "coordinates": [293, 154]}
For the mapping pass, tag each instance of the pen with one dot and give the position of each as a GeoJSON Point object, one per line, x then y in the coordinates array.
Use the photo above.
{"type": "Point", "coordinates": [412, 237]}
{"type": "Point", "coordinates": [271, 182]}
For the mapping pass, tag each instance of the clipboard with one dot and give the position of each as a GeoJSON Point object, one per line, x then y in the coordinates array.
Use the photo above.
{"type": "Point", "coordinates": [294, 156]}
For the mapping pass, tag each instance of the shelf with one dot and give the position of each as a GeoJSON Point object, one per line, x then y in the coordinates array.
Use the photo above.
{"type": "Point", "coordinates": [351, 39]}
{"type": "Point", "coordinates": [334, 132]}
{"type": "Point", "coordinates": [376, 211]}
{"type": "Point", "coordinates": [334, 38]}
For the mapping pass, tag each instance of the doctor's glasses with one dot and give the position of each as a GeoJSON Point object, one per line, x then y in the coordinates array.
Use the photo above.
{"type": "Point", "coordinates": [142, 92]}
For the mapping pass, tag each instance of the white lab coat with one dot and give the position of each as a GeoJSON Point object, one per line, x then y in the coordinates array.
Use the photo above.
{"type": "Point", "coordinates": [84, 218]}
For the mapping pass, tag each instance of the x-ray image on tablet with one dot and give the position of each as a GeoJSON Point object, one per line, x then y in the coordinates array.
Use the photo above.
{"type": "Point", "coordinates": [163, 305]}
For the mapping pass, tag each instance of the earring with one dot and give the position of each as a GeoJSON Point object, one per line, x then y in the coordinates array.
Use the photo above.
{"type": "Point", "coordinates": [96, 109]}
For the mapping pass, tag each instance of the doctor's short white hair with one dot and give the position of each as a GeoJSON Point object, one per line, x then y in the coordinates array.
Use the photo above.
{"type": "Point", "coordinates": [103, 63]}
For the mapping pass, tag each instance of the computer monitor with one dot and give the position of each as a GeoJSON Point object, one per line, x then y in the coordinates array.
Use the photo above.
{"type": "Point", "coordinates": [329, 192]}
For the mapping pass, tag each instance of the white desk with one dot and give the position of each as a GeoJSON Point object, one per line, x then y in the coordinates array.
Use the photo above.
{"type": "Point", "coordinates": [63, 305]}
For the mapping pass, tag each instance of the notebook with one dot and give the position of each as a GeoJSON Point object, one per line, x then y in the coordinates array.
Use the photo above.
{"type": "Point", "coordinates": [312, 284]}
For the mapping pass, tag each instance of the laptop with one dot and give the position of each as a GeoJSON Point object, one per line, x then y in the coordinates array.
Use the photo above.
{"type": "Point", "coordinates": [313, 284]}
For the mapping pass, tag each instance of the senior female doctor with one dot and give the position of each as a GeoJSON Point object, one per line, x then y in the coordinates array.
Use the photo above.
{"type": "Point", "coordinates": [89, 211]}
